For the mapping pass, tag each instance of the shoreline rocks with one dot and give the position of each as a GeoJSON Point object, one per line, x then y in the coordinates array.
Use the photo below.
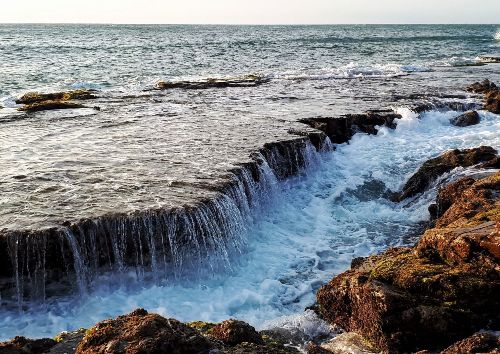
{"type": "Point", "coordinates": [35, 101]}
{"type": "Point", "coordinates": [466, 119]}
{"type": "Point", "coordinates": [443, 289]}
{"type": "Point", "coordinates": [242, 81]}
{"type": "Point", "coordinates": [491, 94]}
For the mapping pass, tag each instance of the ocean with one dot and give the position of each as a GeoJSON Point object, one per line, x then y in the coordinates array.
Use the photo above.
{"type": "Point", "coordinates": [146, 149]}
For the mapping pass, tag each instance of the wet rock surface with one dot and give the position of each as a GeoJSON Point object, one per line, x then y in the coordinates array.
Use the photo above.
{"type": "Point", "coordinates": [35, 101]}
{"type": "Point", "coordinates": [438, 292]}
{"type": "Point", "coordinates": [340, 130]}
{"type": "Point", "coordinates": [345, 343]}
{"type": "Point", "coordinates": [466, 119]}
{"type": "Point", "coordinates": [233, 332]}
{"type": "Point", "coordinates": [243, 81]}
{"type": "Point", "coordinates": [490, 92]}
{"type": "Point", "coordinates": [446, 162]}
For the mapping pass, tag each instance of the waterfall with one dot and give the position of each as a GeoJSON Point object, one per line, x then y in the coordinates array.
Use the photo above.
{"type": "Point", "coordinates": [157, 244]}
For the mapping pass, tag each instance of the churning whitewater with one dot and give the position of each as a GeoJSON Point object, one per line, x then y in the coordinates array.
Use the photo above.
{"type": "Point", "coordinates": [294, 235]}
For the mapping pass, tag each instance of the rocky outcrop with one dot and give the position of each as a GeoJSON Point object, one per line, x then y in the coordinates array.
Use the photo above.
{"type": "Point", "coordinates": [481, 342]}
{"type": "Point", "coordinates": [466, 119]}
{"type": "Point", "coordinates": [344, 343]}
{"type": "Point", "coordinates": [233, 332]}
{"type": "Point", "coordinates": [491, 95]}
{"type": "Point", "coordinates": [34, 97]}
{"type": "Point", "coordinates": [141, 332]}
{"type": "Point", "coordinates": [440, 291]}
{"type": "Point", "coordinates": [242, 81]}
{"type": "Point", "coordinates": [22, 345]}
{"type": "Point", "coordinates": [446, 162]}
{"type": "Point", "coordinates": [35, 101]}
{"type": "Point", "coordinates": [342, 129]}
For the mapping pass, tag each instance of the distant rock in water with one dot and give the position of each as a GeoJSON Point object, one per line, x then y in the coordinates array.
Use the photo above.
{"type": "Point", "coordinates": [489, 59]}
{"type": "Point", "coordinates": [242, 81]}
{"type": "Point", "coordinates": [436, 293]}
{"type": "Point", "coordinates": [34, 97]}
{"type": "Point", "coordinates": [49, 105]}
{"type": "Point", "coordinates": [35, 101]}
{"type": "Point", "coordinates": [466, 119]}
{"type": "Point", "coordinates": [435, 167]}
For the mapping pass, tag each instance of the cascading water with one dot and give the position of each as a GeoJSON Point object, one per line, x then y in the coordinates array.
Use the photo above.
{"type": "Point", "coordinates": [157, 244]}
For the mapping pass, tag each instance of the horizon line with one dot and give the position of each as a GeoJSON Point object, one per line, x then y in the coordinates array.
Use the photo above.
{"type": "Point", "coordinates": [254, 24]}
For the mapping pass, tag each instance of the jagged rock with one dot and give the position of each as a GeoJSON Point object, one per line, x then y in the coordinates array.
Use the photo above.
{"type": "Point", "coordinates": [243, 81]}
{"type": "Point", "coordinates": [466, 119]}
{"type": "Point", "coordinates": [141, 332]}
{"type": "Point", "coordinates": [340, 130]}
{"type": "Point", "coordinates": [434, 168]}
{"type": "Point", "coordinates": [482, 87]}
{"type": "Point", "coordinates": [22, 345]}
{"type": "Point", "coordinates": [491, 95]}
{"type": "Point", "coordinates": [34, 97]}
{"type": "Point", "coordinates": [233, 332]}
{"type": "Point", "coordinates": [442, 290]}
{"type": "Point", "coordinates": [49, 105]}
{"type": "Point", "coordinates": [481, 342]}
{"type": "Point", "coordinates": [67, 342]}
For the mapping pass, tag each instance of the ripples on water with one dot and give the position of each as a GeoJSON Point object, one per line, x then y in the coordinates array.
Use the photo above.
{"type": "Point", "coordinates": [147, 149]}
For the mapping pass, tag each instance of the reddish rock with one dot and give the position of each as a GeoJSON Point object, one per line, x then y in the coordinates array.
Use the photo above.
{"type": "Point", "coordinates": [482, 342]}
{"type": "Point", "coordinates": [434, 168]}
{"type": "Point", "coordinates": [482, 87]}
{"type": "Point", "coordinates": [34, 97]}
{"type": "Point", "coordinates": [141, 332]}
{"type": "Point", "coordinates": [440, 291]}
{"type": "Point", "coordinates": [49, 105]}
{"type": "Point", "coordinates": [466, 119]}
{"type": "Point", "coordinates": [491, 95]}
{"type": "Point", "coordinates": [233, 332]}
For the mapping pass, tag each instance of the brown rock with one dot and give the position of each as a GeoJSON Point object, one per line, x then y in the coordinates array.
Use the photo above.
{"type": "Point", "coordinates": [482, 87]}
{"type": "Point", "coordinates": [49, 105]}
{"type": "Point", "coordinates": [140, 332]}
{"type": "Point", "coordinates": [34, 97]}
{"type": "Point", "coordinates": [252, 348]}
{"type": "Point", "coordinates": [482, 342]}
{"type": "Point", "coordinates": [434, 168]}
{"type": "Point", "coordinates": [233, 332]}
{"type": "Point", "coordinates": [466, 119]}
{"type": "Point", "coordinates": [442, 290]}
{"type": "Point", "coordinates": [22, 345]}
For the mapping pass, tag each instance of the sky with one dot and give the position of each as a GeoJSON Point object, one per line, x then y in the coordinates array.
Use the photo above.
{"type": "Point", "coordinates": [250, 11]}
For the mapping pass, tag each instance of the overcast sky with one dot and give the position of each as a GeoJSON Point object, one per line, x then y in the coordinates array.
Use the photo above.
{"type": "Point", "coordinates": [251, 11]}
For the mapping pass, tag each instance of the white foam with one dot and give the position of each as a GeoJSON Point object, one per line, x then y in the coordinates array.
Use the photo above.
{"type": "Point", "coordinates": [497, 35]}
{"type": "Point", "coordinates": [314, 228]}
{"type": "Point", "coordinates": [351, 71]}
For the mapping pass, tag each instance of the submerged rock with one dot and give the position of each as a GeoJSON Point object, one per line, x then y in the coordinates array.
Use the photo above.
{"type": "Point", "coordinates": [141, 332]}
{"type": "Point", "coordinates": [34, 97]}
{"type": "Point", "coordinates": [466, 119]}
{"type": "Point", "coordinates": [22, 345]}
{"type": "Point", "coordinates": [242, 81]}
{"type": "Point", "coordinates": [429, 296]}
{"type": "Point", "coordinates": [435, 167]}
